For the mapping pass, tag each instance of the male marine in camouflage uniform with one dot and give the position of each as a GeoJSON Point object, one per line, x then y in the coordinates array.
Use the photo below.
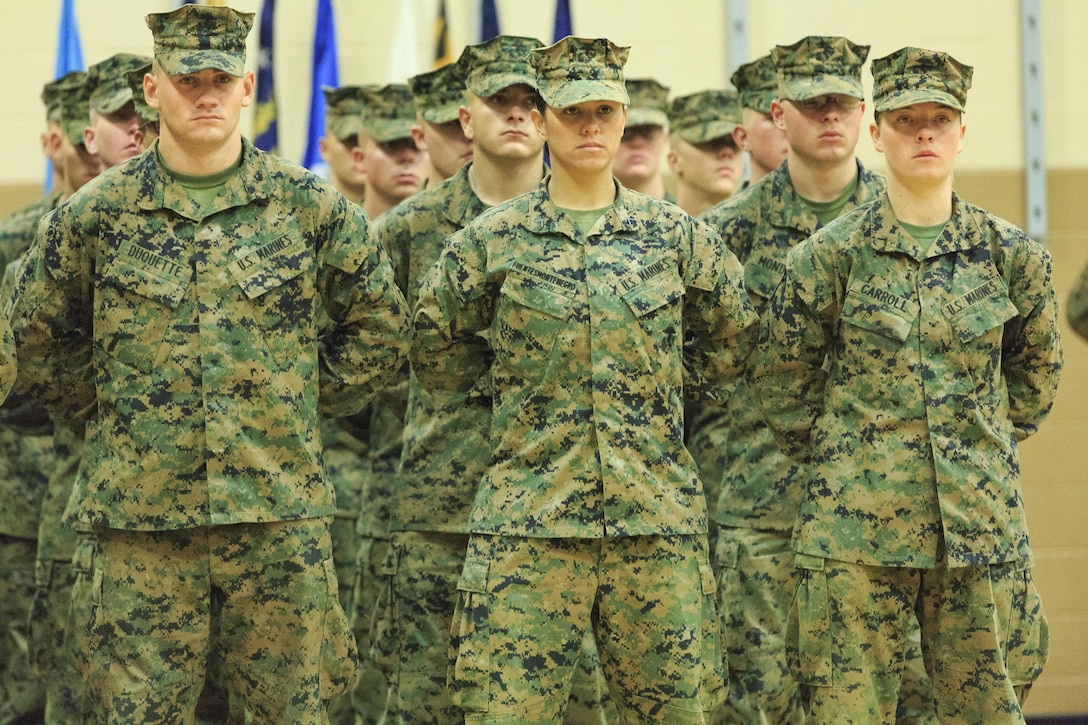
{"type": "Point", "coordinates": [702, 153]}
{"type": "Point", "coordinates": [343, 114]}
{"type": "Point", "coordinates": [587, 311]}
{"type": "Point", "coordinates": [232, 296]}
{"type": "Point", "coordinates": [758, 488]}
{"type": "Point", "coordinates": [756, 134]}
{"type": "Point", "coordinates": [393, 167]}
{"type": "Point", "coordinates": [638, 163]}
{"type": "Point", "coordinates": [438, 95]}
{"type": "Point", "coordinates": [911, 344]}
{"type": "Point", "coordinates": [113, 121]}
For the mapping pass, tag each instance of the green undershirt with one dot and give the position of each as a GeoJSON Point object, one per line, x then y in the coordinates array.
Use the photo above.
{"type": "Point", "coordinates": [925, 236]}
{"type": "Point", "coordinates": [584, 219]}
{"type": "Point", "coordinates": [203, 189]}
{"type": "Point", "coordinates": [828, 211]}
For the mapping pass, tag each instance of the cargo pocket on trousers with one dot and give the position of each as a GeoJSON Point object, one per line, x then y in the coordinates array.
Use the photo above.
{"type": "Point", "coordinates": [469, 672]}
{"type": "Point", "coordinates": [339, 658]}
{"type": "Point", "coordinates": [385, 631]}
{"type": "Point", "coordinates": [727, 555]}
{"type": "Point", "coordinates": [1027, 643]}
{"type": "Point", "coordinates": [808, 626]}
{"type": "Point", "coordinates": [84, 641]}
{"type": "Point", "coordinates": [714, 661]}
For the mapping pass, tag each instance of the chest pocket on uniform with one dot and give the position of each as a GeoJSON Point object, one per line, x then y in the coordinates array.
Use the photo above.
{"type": "Point", "coordinates": [134, 309]}
{"type": "Point", "coordinates": [657, 303]}
{"type": "Point", "coordinates": [891, 317]}
{"type": "Point", "coordinates": [276, 278]}
{"type": "Point", "coordinates": [761, 281]}
{"type": "Point", "coordinates": [983, 315]}
{"type": "Point", "coordinates": [530, 320]}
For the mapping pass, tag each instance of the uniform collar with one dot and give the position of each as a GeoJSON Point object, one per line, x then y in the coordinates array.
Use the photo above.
{"type": "Point", "coordinates": [545, 217]}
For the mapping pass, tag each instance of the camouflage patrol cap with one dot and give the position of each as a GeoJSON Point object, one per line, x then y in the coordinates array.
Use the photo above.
{"type": "Point", "coordinates": [498, 63]}
{"type": "Point", "coordinates": [439, 93]}
{"type": "Point", "coordinates": [75, 111]}
{"type": "Point", "coordinates": [109, 81]}
{"type": "Point", "coordinates": [575, 70]}
{"type": "Point", "coordinates": [343, 110]}
{"type": "Point", "coordinates": [197, 37]}
{"type": "Point", "coordinates": [756, 83]}
{"type": "Point", "coordinates": [144, 112]}
{"type": "Point", "coordinates": [915, 75]}
{"type": "Point", "coordinates": [54, 91]}
{"type": "Point", "coordinates": [819, 65]}
{"type": "Point", "coordinates": [649, 102]}
{"type": "Point", "coordinates": [704, 116]}
{"type": "Point", "coordinates": [388, 112]}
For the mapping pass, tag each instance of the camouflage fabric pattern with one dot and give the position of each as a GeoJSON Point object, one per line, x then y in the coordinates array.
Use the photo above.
{"type": "Point", "coordinates": [756, 83]}
{"type": "Point", "coordinates": [193, 38]}
{"type": "Point", "coordinates": [592, 345]}
{"type": "Point", "coordinates": [343, 110]}
{"type": "Point", "coordinates": [445, 447]}
{"type": "Point", "coordinates": [751, 483]}
{"type": "Point", "coordinates": [523, 608]}
{"type": "Point", "coordinates": [915, 75]}
{"type": "Point", "coordinates": [1076, 308]}
{"type": "Point", "coordinates": [575, 70]}
{"type": "Point", "coordinates": [818, 65]}
{"type": "Point", "coordinates": [110, 89]}
{"type": "Point", "coordinates": [370, 692]}
{"type": "Point", "coordinates": [75, 112]}
{"type": "Point", "coordinates": [988, 638]}
{"type": "Point", "coordinates": [22, 694]}
{"type": "Point", "coordinates": [649, 102]}
{"type": "Point", "coordinates": [439, 93]}
{"type": "Point", "coordinates": [286, 642]}
{"type": "Point", "coordinates": [498, 63]}
{"type": "Point", "coordinates": [53, 93]}
{"type": "Point", "coordinates": [388, 112]}
{"type": "Point", "coordinates": [144, 112]}
{"type": "Point", "coordinates": [704, 116]}
{"type": "Point", "coordinates": [756, 583]}
{"type": "Point", "coordinates": [862, 325]}
{"type": "Point", "coordinates": [206, 386]}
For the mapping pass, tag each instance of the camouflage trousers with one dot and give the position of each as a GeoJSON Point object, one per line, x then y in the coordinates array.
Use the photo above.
{"type": "Point", "coordinates": [22, 694]}
{"type": "Point", "coordinates": [757, 581]}
{"type": "Point", "coordinates": [984, 638]}
{"type": "Point", "coordinates": [524, 605]}
{"type": "Point", "coordinates": [345, 555]}
{"type": "Point", "coordinates": [51, 656]}
{"type": "Point", "coordinates": [371, 688]}
{"type": "Point", "coordinates": [412, 636]}
{"type": "Point", "coordinates": [144, 601]}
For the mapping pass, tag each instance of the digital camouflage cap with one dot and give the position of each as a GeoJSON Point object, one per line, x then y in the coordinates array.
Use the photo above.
{"type": "Point", "coordinates": [144, 112]}
{"type": "Point", "coordinates": [704, 116]}
{"type": "Point", "coordinates": [498, 63]}
{"type": "Point", "coordinates": [649, 102]}
{"type": "Point", "coordinates": [915, 75]}
{"type": "Point", "coordinates": [75, 110]}
{"type": "Point", "coordinates": [108, 79]}
{"type": "Point", "coordinates": [575, 70]}
{"type": "Point", "coordinates": [198, 37]}
{"type": "Point", "coordinates": [343, 111]}
{"type": "Point", "coordinates": [439, 93]}
{"type": "Point", "coordinates": [54, 91]}
{"type": "Point", "coordinates": [388, 112]}
{"type": "Point", "coordinates": [819, 65]}
{"type": "Point", "coordinates": [756, 84]}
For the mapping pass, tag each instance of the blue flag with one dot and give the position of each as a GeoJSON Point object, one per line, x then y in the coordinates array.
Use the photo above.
{"type": "Point", "coordinates": [562, 20]}
{"type": "Point", "coordinates": [69, 57]}
{"type": "Point", "coordinates": [265, 131]}
{"type": "Point", "coordinates": [324, 74]}
{"type": "Point", "coordinates": [489, 20]}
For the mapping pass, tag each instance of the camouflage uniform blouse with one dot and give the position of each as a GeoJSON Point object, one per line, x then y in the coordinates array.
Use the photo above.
{"type": "Point", "coordinates": [904, 379]}
{"type": "Point", "coordinates": [589, 345]}
{"type": "Point", "coordinates": [759, 486]}
{"type": "Point", "coordinates": [444, 447]}
{"type": "Point", "coordinates": [1077, 305]}
{"type": "Point", "coordinates": [198, 347]}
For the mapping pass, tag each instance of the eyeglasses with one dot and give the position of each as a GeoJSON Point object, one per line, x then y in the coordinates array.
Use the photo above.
{"type": "Point", "coordinates": [646, 132]}
{"type": "Point", "coordinates": [819, 103]}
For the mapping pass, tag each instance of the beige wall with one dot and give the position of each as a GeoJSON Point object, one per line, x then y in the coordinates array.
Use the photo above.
{"type": "Point", "coordinates": [683, 45]}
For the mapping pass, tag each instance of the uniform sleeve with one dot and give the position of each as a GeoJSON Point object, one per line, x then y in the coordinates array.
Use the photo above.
{"type": "Point", "coordinates": [719, 321]}
{"type": "Point", "coordinates": [7, 358]}
{"type": "Point", "coordinates": [449, 351]}
{"type": "Point", "coordinates": [786, 372]}
{"type": "Point", "coordinates": [1077, 305]}
{"type": "Point", "coordinates": [365, 340]}
{"type": "Point", "coordinates": [1031, 358]}
{"type": "Point", "coordinates": [51, 316]}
